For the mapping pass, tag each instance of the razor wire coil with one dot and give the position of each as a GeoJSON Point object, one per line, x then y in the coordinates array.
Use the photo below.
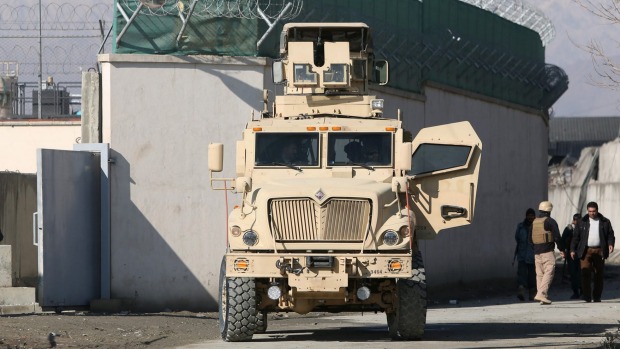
{"type": "Point", "coordinates": [56, 16]}
{"type": "Point", "coordinates": [243, 9]}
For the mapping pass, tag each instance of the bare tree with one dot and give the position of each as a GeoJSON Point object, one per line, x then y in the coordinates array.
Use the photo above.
{"type": "Point", "coordinates": [606, 68]}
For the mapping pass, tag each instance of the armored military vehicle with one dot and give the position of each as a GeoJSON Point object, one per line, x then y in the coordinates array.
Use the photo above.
{"type": "Point", "coordinates": [335, 196]}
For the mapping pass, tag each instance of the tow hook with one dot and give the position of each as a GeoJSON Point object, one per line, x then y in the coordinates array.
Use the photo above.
{"type": "Point", "coordinates": [287, 268]}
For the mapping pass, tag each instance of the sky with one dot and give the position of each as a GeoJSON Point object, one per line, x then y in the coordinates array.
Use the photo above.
{"type": "Point", "coordinates": [575, 26]}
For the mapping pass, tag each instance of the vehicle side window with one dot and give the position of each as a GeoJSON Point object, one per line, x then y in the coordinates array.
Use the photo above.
{"type": "Point", "coordinates": [436, 157]}
{"type": "Point", "coordinates": [304, 74]}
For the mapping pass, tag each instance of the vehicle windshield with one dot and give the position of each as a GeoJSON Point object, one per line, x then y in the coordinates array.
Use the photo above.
{"type": "Point", "coordinates": [287, 149]}
{"type": "Point", "coordinates": [360, 149]}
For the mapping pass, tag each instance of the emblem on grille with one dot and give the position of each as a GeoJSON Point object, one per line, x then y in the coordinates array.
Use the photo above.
{"type": "Point", "coordinates": [319, 194]}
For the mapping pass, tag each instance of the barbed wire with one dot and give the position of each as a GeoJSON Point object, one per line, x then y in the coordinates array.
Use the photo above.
{"type": "Point", "coordinates": [247, 9]}
{"type": "Point", "coordinates": [55, 16]}
{"type": "Point", "coordinates": [71, 33]}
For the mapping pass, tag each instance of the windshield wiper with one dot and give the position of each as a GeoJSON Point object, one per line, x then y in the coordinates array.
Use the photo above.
{"type": "Point", "coordinates": [360, 164]}
{"type": "Point", "coordinates": [291, 166]}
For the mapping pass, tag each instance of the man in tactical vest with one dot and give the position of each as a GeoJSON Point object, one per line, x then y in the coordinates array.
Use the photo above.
{"type": "Point", "coordinates": [545, 234]}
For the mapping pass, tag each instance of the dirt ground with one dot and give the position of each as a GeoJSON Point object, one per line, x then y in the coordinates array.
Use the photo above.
{"type": "Point", "coordinates": [82, 329]}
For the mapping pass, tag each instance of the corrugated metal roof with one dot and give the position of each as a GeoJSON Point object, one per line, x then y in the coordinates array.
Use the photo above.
{"type": "Point", "coordinates": [580, 129]}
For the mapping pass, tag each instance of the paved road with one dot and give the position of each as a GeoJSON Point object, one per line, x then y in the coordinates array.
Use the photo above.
{"type": "Point", "coordinates": [496, 322]}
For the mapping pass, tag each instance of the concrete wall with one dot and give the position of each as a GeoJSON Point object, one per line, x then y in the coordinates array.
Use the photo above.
{"type": "Point", "coordinates": [19, 140]}
{"type": "Point", "coordinates": [168, 226]}
{"type": "Point", "coordinates": [605, 190]}
{"type": "Point", "coordinates": [18, 201]}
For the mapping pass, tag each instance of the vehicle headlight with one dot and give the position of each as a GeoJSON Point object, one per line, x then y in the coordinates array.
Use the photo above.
{"type": "Point", "coordinates": [235, 230]}
{"type": "Point", "coordinates": [404, 231]}
{"type": "Point", "coordinates": [390, 238]}
{"type": "Point", "coordinates": [274, 292]}
{"type": "Point", "coordinates": [250, 238]}
{"type": "Point", "coordinates": [377, 104]}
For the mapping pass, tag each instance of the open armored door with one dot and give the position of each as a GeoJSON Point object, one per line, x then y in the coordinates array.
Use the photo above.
{"type": "Point", "coordinates": [444, 177]}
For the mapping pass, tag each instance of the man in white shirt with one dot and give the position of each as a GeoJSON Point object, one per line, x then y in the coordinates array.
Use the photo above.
{"type": "Point", "coordinates": [592, 243]}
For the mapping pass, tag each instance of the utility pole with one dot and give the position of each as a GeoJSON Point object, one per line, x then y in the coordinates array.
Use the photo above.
{"type": "Point", "coordinates": [40, 115]}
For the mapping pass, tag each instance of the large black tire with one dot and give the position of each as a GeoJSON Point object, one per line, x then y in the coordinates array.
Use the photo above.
{"type": "Point", "coordinates": [261, 322]}
{"type": "Point", "coordinates": [237, 301]}
{"type": "Point", "coordinates": [409, 320]}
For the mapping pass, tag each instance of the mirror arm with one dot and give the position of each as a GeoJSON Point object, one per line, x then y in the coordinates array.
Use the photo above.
{"type": "Point", "coordinates": [391, 203]}
{"type": "Point", "coordinates": [231, 180]}
{"type": "Point", "coordinates": [244, 201]}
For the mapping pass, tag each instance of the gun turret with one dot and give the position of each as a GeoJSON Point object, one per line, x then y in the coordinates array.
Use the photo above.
{"type": "Point", "coordinates": [326, 68]}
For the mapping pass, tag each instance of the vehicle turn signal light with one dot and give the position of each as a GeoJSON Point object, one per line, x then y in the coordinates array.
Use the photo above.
{"type": "Point", "coordinates": [241, 264]}
{"type": "Point", "coordinates": [395, 265]}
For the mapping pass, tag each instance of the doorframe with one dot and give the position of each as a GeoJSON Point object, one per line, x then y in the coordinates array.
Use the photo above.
{"type": "Point", "coordinates": [104, 150]}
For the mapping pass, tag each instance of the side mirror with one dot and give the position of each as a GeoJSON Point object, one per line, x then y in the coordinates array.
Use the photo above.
{"type": "Point", "coordinates": [381, 72]}
{"type": "Point", "coordinates": [216, 157]}
{"type": "Point", "coordinates": [277, 72]}
{"type": "Point", "coordinates": [403, 160]}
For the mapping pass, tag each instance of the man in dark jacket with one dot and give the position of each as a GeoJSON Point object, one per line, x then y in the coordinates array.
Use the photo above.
{"type": "Point", "coordinates": [545, 235]}
{"type": "Point", "coordinates": [592, 243]}
{"type": "Point", "coordinates": [573, 264]}
{"type": "Point", "coordinates": [524, 253]}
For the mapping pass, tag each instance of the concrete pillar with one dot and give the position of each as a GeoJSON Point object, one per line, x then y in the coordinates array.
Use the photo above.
{"type": "Point", "coordinates": [6, 97]}
{"type": "Point", "coordinates": [91, 107]}
{"type": "Point", "coordinates": [5, 266]}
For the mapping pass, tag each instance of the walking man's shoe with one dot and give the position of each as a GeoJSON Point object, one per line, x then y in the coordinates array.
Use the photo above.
{"type": "Point", "coordinates": [521, 293]}
{"type": "Point", "coordinates": [545, 301]}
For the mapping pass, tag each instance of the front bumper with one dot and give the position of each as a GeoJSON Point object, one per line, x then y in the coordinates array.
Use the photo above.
{"type": "Point", "coordinates": [318, 272]}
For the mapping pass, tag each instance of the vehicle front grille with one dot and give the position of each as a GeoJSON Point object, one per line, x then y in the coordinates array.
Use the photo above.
{"type": "Point", "coordinates": [303, 219]}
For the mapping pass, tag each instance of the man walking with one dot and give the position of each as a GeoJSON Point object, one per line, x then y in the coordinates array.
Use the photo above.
{"type": "Point", "coordinates": [573, 264]}
{"type": "Point", "coordinates": [592, 243]}
{"type": "Point", "coordinates": [545, 234]}
{"type": "Point", "coordinates": [524, 254]}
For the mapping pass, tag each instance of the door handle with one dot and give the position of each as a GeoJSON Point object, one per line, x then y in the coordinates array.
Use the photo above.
{"type": "Point", "coordinates": [35, 225]}
{"type": "Point", "coordinates": [449, 211]}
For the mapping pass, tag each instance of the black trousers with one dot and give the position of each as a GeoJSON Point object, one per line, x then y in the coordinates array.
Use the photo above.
{"type": "Point", "coordinates": [592, 268]}
{"type": "Point", "coordinates": [526, 275]}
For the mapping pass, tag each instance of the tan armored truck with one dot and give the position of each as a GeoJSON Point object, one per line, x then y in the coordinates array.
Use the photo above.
{"type": "Point", "coordinates": [335, 197]}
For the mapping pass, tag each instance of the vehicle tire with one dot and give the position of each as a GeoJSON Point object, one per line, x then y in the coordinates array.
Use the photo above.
{"type": "Point", "coordinates": [409, 320]}
{"type": "Point", "coordinates": [237, 302]}
{"type": "Point", "coordinates": [261, 322]}
{"type": "Point", "coordinates": [391, 321]}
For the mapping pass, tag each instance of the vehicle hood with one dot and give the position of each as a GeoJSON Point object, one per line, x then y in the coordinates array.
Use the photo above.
{"type": "Point", "coordinates": [321, 189]}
